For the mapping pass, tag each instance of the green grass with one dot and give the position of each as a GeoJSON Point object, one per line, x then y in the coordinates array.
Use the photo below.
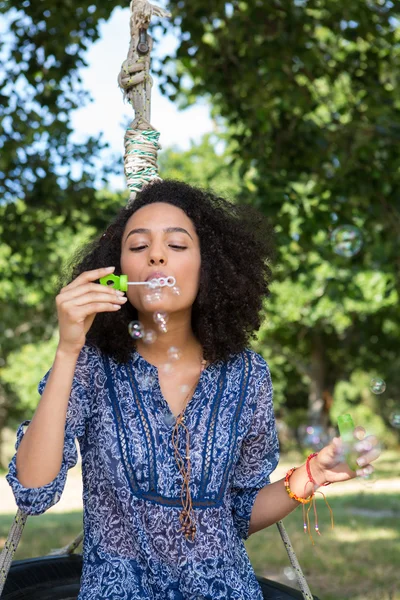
{"type": "Point", "coordinates": [359, 559]}
{"type": "Point", "coordinates": [43, 533]}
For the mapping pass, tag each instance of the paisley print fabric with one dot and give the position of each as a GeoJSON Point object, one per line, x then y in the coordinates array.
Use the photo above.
{"type": "Point", "coordinates": [133, 549]}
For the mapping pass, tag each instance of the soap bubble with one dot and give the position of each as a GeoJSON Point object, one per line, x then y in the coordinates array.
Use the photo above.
{"type": "Point", "coordinates": [154, 295]}
{"type": "Point", "coordinates": [377, 385]}
{"type": "Point", "coordinates": [394, 418]}
{"type": "Point", "coordinates": [174, 353]}
{"type": "Point", "coordinates": [368, 481]}
{"type": "Point", "coordinates": [313, 436]}
{"type": "Point", "coordinates": [146, 381]}
{"type": "Point", "coordinates": [149, 336]}
{"type": "Point", "coordinates": [176, 290]}
{"type": "Point", "coordinates": [136, 330]}
{"type": "Point", "coordinates": [346, 240]}
{"type": "Point", "coordinates": [289, 573]}
{"type": "Point", "coordinates": [160, 317]}
{"type": "Point", "coordinates": [167, 368]}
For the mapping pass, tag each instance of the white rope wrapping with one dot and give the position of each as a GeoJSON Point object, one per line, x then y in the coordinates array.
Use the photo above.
{"type": "Point", "coordinates": [301, 580]}
{"type": "Point", "coordinates": [140, 159]}
{"type": "Point", "coordinates": [7, 554]}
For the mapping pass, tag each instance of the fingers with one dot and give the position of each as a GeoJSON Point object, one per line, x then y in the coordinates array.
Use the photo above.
{"type": "Point", "coordinates": [108, 292]}
{"type": "Point", "coordinates": [365, 472]}
{"type": "Point", "coordinates": [82, 297]}
{"type": "Point", "coordinates": [87, 310]}
{"type": "Point", "coordinates": [370, 450]}
{"type": "Point", "coordinates": [337, 445]}
{"type": "Point", "coordinates": [98, 297]}
{"type": "Point", "coordinates": [92, 298]}
{"type": "Point", "coordinates": [88, 276]}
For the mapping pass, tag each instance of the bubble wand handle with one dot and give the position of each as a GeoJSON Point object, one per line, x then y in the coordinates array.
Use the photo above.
{"type": "Point", "coordinates": [120, 282]}
{"type": "Point", "coordinates": [346, 431]}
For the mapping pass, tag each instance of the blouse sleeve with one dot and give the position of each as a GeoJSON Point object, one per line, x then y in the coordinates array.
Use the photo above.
{"type": "Point", "coordinates": [35, 501]}
{"type": "Point", "coordinates": [259, 455]}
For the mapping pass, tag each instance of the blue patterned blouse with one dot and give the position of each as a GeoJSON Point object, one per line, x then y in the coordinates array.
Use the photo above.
{"type": "Point", "coordinates": [133, 549]}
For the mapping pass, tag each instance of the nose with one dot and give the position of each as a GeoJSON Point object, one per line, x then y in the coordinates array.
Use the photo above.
{"type": "Point", "coordinates": [157, 256]}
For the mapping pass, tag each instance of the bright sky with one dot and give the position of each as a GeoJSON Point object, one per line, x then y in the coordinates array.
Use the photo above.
{"type": "Point", "coordinates": [108, 112]}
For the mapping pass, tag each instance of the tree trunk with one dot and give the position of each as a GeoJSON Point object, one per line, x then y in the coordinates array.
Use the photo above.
{"type": "Point", "coordinates": [3, 419]}
{"type": "Point", "coordinates": [318, 397]}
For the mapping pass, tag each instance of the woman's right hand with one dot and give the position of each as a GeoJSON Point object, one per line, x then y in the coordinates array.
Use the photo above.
{"type": "Point", "coordinates": [79, 302]}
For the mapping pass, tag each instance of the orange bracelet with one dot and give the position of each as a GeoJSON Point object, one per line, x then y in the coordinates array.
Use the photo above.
{"type": "Point", "coordinates": [289, 491]}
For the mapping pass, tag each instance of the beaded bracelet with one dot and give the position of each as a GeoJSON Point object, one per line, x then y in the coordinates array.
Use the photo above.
{"type": "Point", "coordinates": [289, 491]}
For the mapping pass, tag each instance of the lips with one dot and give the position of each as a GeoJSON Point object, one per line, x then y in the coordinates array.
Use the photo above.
{"type": "Point", "coordinates": [156, 275]}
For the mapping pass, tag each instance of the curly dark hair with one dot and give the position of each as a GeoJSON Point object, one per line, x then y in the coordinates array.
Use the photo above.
{"type": "Point", "coordinates": [236, 247]}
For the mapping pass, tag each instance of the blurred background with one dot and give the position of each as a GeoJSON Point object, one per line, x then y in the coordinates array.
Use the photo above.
{"type": "Point", "coordinates": [292, 106]}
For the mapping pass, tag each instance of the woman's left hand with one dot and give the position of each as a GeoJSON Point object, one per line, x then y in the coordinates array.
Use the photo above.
{"type": "Point", "coordinates": [330, 465]}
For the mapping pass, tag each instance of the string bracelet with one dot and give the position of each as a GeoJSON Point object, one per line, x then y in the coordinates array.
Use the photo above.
{"type": "Point", "coordinates": [310, 477]}
{"type": "Point", "coordinates": [308, 500]}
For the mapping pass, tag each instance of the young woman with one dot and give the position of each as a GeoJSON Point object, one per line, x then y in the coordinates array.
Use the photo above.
{"type": "Point", "coordinates": [178, 436]}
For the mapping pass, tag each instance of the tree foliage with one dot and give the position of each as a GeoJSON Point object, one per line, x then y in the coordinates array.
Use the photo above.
{"type": "Point", "coordinates": [307, 94]}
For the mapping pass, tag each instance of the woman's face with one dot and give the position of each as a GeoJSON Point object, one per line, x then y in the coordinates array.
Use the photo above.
{"type": "Point", "coordinates": [160, 238]}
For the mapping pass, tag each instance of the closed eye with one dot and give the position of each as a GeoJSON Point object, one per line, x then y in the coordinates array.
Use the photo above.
{"type": "Point", "coordinates": [138, 248]}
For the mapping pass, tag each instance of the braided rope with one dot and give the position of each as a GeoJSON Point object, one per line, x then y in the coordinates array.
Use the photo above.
{"type": "Point", "coordinates": [141, 139]}
{"type": "Point", "coordinates": [7, 554]}
{"type": "Point", "coordinates": [301, 580]}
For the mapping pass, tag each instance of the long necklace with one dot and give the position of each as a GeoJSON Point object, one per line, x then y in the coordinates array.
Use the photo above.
{"type": "Point", "coordinates": [187, 516]}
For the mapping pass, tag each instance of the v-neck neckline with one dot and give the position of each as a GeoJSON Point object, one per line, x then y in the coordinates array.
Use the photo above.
{"type": "Point", "coordinates": [189, 402]}
{"type": "Point", "coordinates": [137, 357]}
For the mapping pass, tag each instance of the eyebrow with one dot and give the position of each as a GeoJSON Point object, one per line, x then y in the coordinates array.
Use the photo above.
{"type": "Point", "coordinates": [167, 230]}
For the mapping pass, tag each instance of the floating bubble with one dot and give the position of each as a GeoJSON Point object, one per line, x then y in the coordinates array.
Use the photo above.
{"type": "Point", "coordinates": [167, 368]}
{"type": "Point", "coordinates": [313, 436]}
{"type": "Point", "coordinates": [160, 317]}
{"type": "Point", "coordinates": [174, 353]}
{"type": "Point", "coordinates": [136, 330]}
{"type": "Point", "coordinates": [146, 381]}
{"type": "Point", "coordinates": [149, 336]}
{"type": "Point", "coordinates": [154, 283]}
{"type": "Point", "coordinates": [377, 385]}
{"type": "Point", "coordinates": [368, 481]}
{"type": "Point", "coordinates": [346, 240]}
{"type": "Point", "coordinates": [154, 295]}
{"type": "Point", "coordinates": [394, 419]}
{"type": "Point", "coordinates": [176, 290]}
{"type": "Point", "coordinates": [289, 573]}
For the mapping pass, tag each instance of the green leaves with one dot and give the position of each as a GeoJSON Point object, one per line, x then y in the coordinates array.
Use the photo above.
{"type": "Point", "coordinates": [307, 95]}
